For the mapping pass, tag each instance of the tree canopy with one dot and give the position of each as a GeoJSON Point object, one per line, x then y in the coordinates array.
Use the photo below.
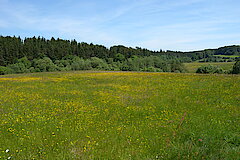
{"type": "Point", "coordinates": [38, 54]}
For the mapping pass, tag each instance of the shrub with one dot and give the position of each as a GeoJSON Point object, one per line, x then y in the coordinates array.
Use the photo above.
{"type": "Point", "coordinates": [5, 70]}
{"type": "Point", "coordinates": [236, 68]}
{"type": "Point", "coordinates": [44, 65]}
{"type": "Point", "coordinates": [219, 70]}
{"type": "Point", "coordinates": [119, 57]}
{"type": "Point", "coordinates": [159, 70]}
{"type": "Point", "coordinates": [78, 64]}
{"type": "Point", "coordinates": [177, 67]}
{"type": "Point", "coordinates": [150, 69]}
{"type": "Point", "coordinates": [18, 68]}
{"type": "Point", "coordinates": [209, 69]}
{"type": "Point", "coordinates": [98, 63]}
{"type": "Point", "coordinates": [124, 67]}
{"type": "Point", "coordinates": [25, 61]}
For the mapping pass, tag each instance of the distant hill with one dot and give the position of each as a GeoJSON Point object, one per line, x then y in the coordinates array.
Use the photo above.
{"type": "Point", "coordinates": [228, 50]}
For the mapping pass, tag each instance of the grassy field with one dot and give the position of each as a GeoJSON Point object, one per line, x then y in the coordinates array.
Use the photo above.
{"type": "Point", "coordinates": [228, 56]}
{"type": "Point", "coordinates": [192, 67]}
{"type": "Point", "coordinates": [119, 115]}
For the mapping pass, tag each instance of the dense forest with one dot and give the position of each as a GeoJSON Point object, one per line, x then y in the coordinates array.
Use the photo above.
{"type": "Point", "coordinates": [38, 54]}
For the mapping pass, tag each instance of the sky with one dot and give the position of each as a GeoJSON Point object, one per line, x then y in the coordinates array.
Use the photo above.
{"type": "Point", "coordinates": [179, 25]}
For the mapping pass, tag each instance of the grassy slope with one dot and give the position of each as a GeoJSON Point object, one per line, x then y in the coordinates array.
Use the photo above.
{"type": "Point", "coordinates": [116, 115]}
{"type": "Point", "coordinates": [229, 56]}
{"type": "Point", "coordinates": [192, 67]}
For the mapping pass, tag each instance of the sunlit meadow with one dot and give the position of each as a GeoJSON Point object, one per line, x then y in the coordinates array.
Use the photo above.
{"type": "Point", "coordinates": [119, 115]}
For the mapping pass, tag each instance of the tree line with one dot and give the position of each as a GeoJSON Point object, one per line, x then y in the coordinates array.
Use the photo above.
{"type": "Point", "coordinates": [13, 48]}
{"type": "Point", "coordinates": [72, 62]}
{"type": "Point", "coordinates": [38, 54]}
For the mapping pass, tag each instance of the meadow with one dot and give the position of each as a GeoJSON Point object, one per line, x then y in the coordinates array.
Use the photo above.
{"type": "Point", "coordinates": [227, 56]}
{"type": "Point", "coordinates": [192, 67]}
{"type": "Point", "coordinates": [119, 115]}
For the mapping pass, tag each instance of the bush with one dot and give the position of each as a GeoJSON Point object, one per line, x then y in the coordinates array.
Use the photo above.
{"type": "Point", "coordinates": [5, 70]}
{"type": "Point", "coordinates": [22, 66]}
{"type": "Point", "coordinates": [177, 71]}
{"type": "Point", "coordinates": [99, 63]}
{"type": "Point", "coordinates": [228, 71]}
{"type": "Point", "coordinates": [18, 68]}
{"type": "Point", "coordinates": [78, 64]}
{"type": "Point", "coordinates": [219, 70]}
{"type": "Point", "coordinates": [25, 61]}
{"type": "Point", "coordinates": [159, 70]}
{"type": "Point", "coordinates": [177, 67]}
{"type": "Point", "coordinates": [124, 67]}
{"type": "Point", "coordinates": [133, 63]}
{"type": "Point", "coordinates": [44, 65]}
{"type": "Point", "coordinates": [236, 68]}
{"type": "Point", "coordinates": [114, 67]}
{"type": "Point", "coordinates": [150, 69]}
{"type": "Point", "coordinates": [2, 70]}
{"type": "Point", "coordinates": [209, 69]}
{"type": "Point", "coordinates": [119, 62]}
{"type": "Point", "coordinates": [119, 57]}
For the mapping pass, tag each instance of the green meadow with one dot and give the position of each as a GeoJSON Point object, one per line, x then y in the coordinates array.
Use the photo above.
{"type": "Point", "coordinates": [119, 115]}
{"type": "Point", "coordinates": [227, 56]}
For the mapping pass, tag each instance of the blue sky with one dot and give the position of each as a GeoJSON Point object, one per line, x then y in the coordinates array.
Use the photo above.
{"type": "Point", "coordinates": [154, 24]}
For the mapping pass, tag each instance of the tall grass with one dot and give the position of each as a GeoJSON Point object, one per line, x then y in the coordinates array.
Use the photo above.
{"type": "Point", "coordinates": [117, 115]}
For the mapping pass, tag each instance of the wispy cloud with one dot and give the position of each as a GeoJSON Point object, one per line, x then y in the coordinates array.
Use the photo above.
{"type": "Point", "coordinates": [190, 36]}
{"type": "Point", "coordinates": [154, 24]}
{"type": "Point", "coordinates": [81, 27]}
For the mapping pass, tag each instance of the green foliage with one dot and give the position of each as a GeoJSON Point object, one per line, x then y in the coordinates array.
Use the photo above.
{"type": "Point", "coordinates": [133, 64]}
{"type": "Point", "coordinates": [177, 67]}
{"type": "Point", "coordinates": [228, 50]}
{"type": "Point", "coordinates": [119, 57]}
{"type": "Point", "coordinates": [149, 69]}
{"type": "Point", "coordinates": [18, 68]}
{"type": "Point", "coordinates": [44, 65]}
{"type": "Point", "coordinates": [13, 48]}
{"type": "Point", "coordinates": [124, 67]}
{"type": "Point", "coordinates": [70, 62]}
{"type": "Point", "coordinates": [25, 61]}
{"type": "Point", "coordinates": [236, 68]}
{"type": "Point", "coordinates": [79, 64]}
{"type": "Point", "coordinates": [98, 63]}
{"type": "Point", "coordinates": [192, 67]}
{"type": "Point", "coordinates": [22, 66]}
{"type": "Point", "coordinates": [2, 70]}
{"type": "Point", "coordinates": [37, 54]}
{"type": "Point", "coordinates": [209, 69]}
{"type": "Point", "coordinates": [5, 70]}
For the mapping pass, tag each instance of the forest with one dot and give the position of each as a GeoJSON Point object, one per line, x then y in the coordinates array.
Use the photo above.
{"type": "Point", "coordinates": [38, 54]}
